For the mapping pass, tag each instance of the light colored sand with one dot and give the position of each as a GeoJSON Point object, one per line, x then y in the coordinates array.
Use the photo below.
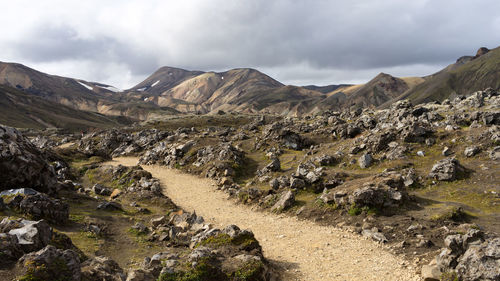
{"type": "Point", "coordinates": [312, 252]}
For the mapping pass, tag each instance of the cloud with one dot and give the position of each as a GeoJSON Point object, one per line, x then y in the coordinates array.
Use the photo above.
{"type": "Point", "coordinates": [297, 41]}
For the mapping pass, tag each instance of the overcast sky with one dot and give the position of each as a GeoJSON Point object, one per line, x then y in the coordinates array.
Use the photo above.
{"type": "Point", "coordinates": [297, 42]}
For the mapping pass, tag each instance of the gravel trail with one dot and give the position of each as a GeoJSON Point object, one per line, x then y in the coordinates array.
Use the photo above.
{"type": "Point", "coordinates": [309, 251]}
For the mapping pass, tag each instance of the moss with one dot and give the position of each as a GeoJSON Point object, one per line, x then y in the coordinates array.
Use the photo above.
{"type": "Point", "coordinates": [250, 271]}
{"type": "Point", "coordinates": [56, 271]}
{"type": "Point", "coordinates": [76, 218]}
{"type": "Point", "coordinates": [449, 276]}
{"type": "Point", "coordinates": [322, 205]}
{"type": "Point", "coordinates": [354, 210]}
{"type": "Point", "coordinates": [453, 214]}
{"type": "Point", "coordinates": [243, 196]}
{"type": "Point", "coordinates": [216, 241]}
{"type": "Point", "coordinates": [245, 241]}
{"type": "Point", "coordinates": [203, 270]}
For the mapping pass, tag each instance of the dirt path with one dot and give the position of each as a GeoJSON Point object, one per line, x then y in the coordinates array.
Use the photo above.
{"type": "Point", "coordinates": [310, 251]}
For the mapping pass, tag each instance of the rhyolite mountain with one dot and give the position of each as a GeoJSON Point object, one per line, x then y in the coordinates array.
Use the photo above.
{"type": "Point", "coordinates": [467, 75]}
{"type": "Point", "coordinates": [177, 91]}
{"type": "Point", "coordinates": [76, 93]}
{"type": "Point", "coordinates": [19, 109]}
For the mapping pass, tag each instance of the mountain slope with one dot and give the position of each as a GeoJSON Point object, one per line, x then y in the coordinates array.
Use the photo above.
{"type": "Point", "coordinates": [208, 91]}
{"type": "Point", "coordinates": [75, 93]}
{"type": "Point", "coordinates": [377, 91]}
{"type": "Point", "coordinates": [467, 75]}
{"type": "Point", "coordinates": [163, 79]}
{"type": "Point", "coordinates": [326, 89]}
{"type": "Point", "coordinates": [18, 109]}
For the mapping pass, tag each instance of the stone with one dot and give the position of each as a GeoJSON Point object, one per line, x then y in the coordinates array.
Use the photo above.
{"type": "Point", "coordinates": [374, 234]}
{"type": "Point", "coordinates": [51, 263]}
{"type": "Point", "coordinates": [446, 151]}
{"type": "Point", "coordinates": [41, 206]}
{"type": "Point", "coordinates": [274, 166]}
{"type": "Point", "coordinates": [415, 133]}
{"type": "Point", "coordinates": [325, 160]}
{"type": "Point", "coordinates": [109, 206]}
{"type": "Point", "coordinates": [431, 272]}
{"type": "Point", "coordinates": [10, 248]}
{"type": "Point", "coordinates": [155, 222]}
{"type": "Point", "coordinates": [100, 189]}
{"type": "Point", "coordinates": [495, 153]}
{"type": "Point", "coordinates": [101, 268]}
{"type": "Point", "coordinates": [139, 275]}
{"type": "Point", "coordinates": [365, 161]}
{"type": "Point", "coordinates": [481, 262]}
{"type": "Point", "coordinates": [471, 151]}
{"type": "Point", "coordinates": [33, 235]}
{"type": "Point", "coordinates": [296, 183]}
{"type": "Point", "coordinates": [286, 201]}
{"type": "Point", "coordinates": [447, 169]}
{"type": "Point", "coordinates": [23, 164]}
{"type": "Point", "coordinates": [378, 196]}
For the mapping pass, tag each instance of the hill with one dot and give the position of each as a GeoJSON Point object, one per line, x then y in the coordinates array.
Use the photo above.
{"type": "Point", "coordinates": [467, 75]}
{"type": "Point", "coordinates": [18, 109]}
{"type": "Point", "coordinates": [75, 93]}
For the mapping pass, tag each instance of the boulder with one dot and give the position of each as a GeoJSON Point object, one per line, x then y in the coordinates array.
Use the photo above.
{"type": "Point", "coordinates": [472, 255]}
{"type": "Point", "coordinates": [23, 164]}
{"type": "Point", "coordinates": [297, 183]}
{"type": "Point", "coordinates": [51, 263]}
{"type": "Point", "coordinates": [448, 169]}
{"type": "Point", "coordinates": [109, 206]}
{"type": "Point", "coordinates": [100, 189]}
{"type": "Point", "coordinates": [415, 133]}
{"type": "Point", "coordinates": [10, 248]}
{"type": "Point", "coordinates": [378, 196]}
{"type": "Point", "coordinates": [481, 262]}
{"type": "Point", "coordinates": [374, 234]}
{"type": "Point", "coordinates": [101, 268]}
{"type": "Point", "coordinates": [471, 151]}
{"type": "Point", "coordinates": [365, 161]}
{"type": "Point", "coordinates": [286, 201]}
{"type": "Point", "coordinates": [495, 153]}
{"type": "Point", "coordinates": [491, 118]}
{"type": "Point", "coordinates": [41, 206]}
{"type": "Point", "coordinates": [325, 160]}
{"type": "Point", "coordinates": [32, 235]}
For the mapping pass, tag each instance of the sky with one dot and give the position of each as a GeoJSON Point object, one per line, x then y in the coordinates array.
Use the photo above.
{"type": "Point", "coordinates": [299, 42]}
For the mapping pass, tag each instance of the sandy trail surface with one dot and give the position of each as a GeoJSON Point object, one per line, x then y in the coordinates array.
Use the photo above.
{"type": "Point", "coordinates": [307, 250]}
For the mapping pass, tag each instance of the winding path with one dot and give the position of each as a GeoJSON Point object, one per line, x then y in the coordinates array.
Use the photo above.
{"type": "Point", "coordinates": [309, 251]}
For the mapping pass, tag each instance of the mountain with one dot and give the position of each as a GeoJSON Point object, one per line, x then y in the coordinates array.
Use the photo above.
{"type": "Point", "coordinates": [207, 91]}
{"type": "Point", "coordinates": [467, 75]}
{"type": "Point", "coordinates": [19, 109]}
{"type": "Point", "coordinates": [377, 91]}
{"type": "Point", "coordinates": [75, 93]}
{"type": "Point", "coordinates": [326, 89]}
{"type": "Point", "coordinates": [163, 79]}
{"type": "Point", "coordinates": [171, 91]}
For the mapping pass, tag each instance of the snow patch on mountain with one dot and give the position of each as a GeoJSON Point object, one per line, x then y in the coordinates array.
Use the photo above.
{"type": "Point", "coordinates": [85, 85]}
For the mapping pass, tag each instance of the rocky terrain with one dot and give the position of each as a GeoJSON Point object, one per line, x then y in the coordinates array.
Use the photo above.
{"type": "Point", "coordinates": [232, 175]}
{"type": "Point", "coordinates": [67, 217]}
{"type": "Point", "coordinates": [420, 180]}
